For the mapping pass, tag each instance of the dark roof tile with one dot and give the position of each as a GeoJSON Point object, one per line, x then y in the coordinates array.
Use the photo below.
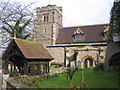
{"type": "Point", "coordinates": [92, 33]}
{"type": "Point", "coordinates": [31, 49]}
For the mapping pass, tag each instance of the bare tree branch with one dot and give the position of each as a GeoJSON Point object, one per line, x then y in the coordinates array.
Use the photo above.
{"type": "Point", "coordinates": [16, 17]}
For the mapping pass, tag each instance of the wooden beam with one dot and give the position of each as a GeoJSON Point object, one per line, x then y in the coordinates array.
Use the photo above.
{"type": "Point", "coordinates": [25, 69]}
{"type": "Point", "coordinates": [32, 62]}
{"type": "Point", "coordinates": [10, 68]}
{"type": "Point", "coordinates": [43, 68]}
{"type": "Point", "coordinates": [48, 68]}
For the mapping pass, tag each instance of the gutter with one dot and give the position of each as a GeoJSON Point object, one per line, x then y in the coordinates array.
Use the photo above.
{"type": "Point", "coordinates": [105, 44]}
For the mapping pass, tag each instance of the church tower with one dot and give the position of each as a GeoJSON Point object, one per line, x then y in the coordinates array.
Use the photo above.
{"type": "Point", "coordinates": [47, 23]}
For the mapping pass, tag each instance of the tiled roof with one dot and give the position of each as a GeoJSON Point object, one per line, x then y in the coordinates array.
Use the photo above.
{"type": "Point", "coordinates": [31, 49]}
{"type": "Point", "coordinates": [92, 33]}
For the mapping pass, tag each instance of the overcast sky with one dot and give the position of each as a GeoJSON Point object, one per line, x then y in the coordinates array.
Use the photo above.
{"type": "Point", "coordinates": [79, 12]}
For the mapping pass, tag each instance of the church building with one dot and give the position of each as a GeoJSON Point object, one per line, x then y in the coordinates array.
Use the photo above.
{"type": "Point", "coordinates": [63, 42]}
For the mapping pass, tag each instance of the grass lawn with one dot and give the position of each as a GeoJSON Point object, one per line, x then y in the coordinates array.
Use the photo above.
{"type": "Point", "coordinates": [95, 80]}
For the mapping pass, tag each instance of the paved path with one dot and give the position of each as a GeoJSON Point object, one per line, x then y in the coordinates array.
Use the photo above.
{"type": "Point", "coordinates": [57, 70]}
{"type": "Point", "coordinates": [1, 78]}
{"type": "Point", "coordinates": [52, 72]}
{"type": "Point", "coordinates": [4, 81]}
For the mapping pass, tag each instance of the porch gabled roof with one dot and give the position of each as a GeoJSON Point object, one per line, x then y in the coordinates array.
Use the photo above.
{"type": "Point", "coordinates": [30, 49]}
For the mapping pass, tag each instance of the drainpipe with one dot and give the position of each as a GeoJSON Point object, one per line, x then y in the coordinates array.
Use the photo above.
{"type": "Point", "coordinates": [64, 56]}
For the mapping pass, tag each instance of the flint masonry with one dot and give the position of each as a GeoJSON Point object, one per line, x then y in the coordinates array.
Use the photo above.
{"type": "Point", "coordinates": [62, 42]}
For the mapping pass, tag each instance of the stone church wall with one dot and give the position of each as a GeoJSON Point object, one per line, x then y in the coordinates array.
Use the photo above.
{"type": "Point", "coordinates": [58, 54]}
{"type": "Point", "coordinates": [47, 32]}
{"type": "Point", "coordinates": [112, 48]}
{"type": "Point", "coordinates": [92, 52]}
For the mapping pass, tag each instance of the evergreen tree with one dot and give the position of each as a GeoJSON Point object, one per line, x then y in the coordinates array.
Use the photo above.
{"type": "Point", "coordinates": [17, 30]}
{"type": "Point", "coordinates": [114, 26]}
{"type": "Point", "coordinates": [17, 20]}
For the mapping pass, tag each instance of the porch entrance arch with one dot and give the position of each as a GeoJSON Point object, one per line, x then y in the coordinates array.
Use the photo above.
{"type": "Point", "coordinates": [87, 61]}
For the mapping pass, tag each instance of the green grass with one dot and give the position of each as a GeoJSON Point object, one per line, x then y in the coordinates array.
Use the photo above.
{"type": "Point", "coordinates": [95, 80]}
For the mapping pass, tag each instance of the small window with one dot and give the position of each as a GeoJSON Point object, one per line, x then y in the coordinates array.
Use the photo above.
{"type": "Point", "coordinates": [58, 17]}
{"type": "Point", "coordinates": [101, 57]}
{"type": "Point", "coordinates": [96, 62]}
{"type": "Point", "coordinates": [45, 18]}
{"type": "Point", "coordinates": [44, 30]}
{"type": "Point", "coordinates": [78, 37]}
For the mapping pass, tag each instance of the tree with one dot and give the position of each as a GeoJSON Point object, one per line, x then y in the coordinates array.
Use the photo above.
{"type": "Point", "coordinates": [1, 9]}
{"type": "Point", "coordinates": [17, 21]}
{"type": "Point", "coordinates": [16, 28]}
{"type": "Point", "coordinates": [72, 68]}
{"type": "Point", "coordinates": [114, 26]}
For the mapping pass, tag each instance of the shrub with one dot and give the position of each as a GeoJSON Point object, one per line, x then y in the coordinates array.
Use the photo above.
{"type": "Point", "coordinates": [13, 74]}
{"type": "Point", "coordinates": [99, 67]}
{"type": "Point", "coordinates": [113, 69]}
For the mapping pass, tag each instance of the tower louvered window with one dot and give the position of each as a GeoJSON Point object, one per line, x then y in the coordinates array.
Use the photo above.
{"type": "Point", "coordinates": [45, 18]}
